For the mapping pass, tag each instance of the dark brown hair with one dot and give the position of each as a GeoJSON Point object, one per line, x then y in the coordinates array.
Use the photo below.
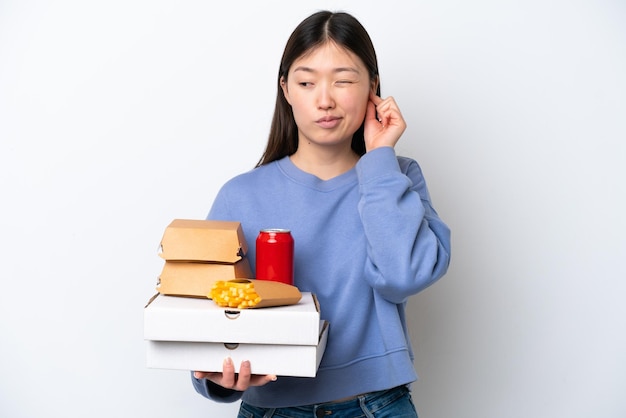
{"type": "Point", "coordinates": [321, 27]}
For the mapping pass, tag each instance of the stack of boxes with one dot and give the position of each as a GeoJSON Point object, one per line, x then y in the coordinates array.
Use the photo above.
{"type": "Point", "coordinates": [187, 331]}
{"type": "Point", "coordinates": [197, 253]}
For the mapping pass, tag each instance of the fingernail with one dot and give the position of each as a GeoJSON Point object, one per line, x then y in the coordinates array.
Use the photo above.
{"type": "Point", "coordinates": [228, 361]}
{"type": "Point", "coordinates": [274, 378]}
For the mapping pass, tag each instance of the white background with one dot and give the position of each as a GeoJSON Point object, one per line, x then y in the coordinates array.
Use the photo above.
{"type": "Point", "coordinates": [118, 116]}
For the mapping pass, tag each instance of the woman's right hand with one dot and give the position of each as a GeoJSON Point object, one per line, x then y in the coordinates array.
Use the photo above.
{"type": "Point", "coordinates": [384, 123]}
{"type": "Point", "coordinates": [236, 381]}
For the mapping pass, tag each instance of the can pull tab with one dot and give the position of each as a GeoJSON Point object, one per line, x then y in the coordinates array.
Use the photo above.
{"type": "Point", "coordinates": [232, 314]}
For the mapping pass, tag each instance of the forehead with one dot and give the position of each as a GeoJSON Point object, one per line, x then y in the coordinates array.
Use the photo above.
{"type": "Point", "coordinates": [329, 56]}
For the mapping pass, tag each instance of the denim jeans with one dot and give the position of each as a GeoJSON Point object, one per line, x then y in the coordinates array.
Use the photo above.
{"type": "Point", "coordinates": [392, 403]}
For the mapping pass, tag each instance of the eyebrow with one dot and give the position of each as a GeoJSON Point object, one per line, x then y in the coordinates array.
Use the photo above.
{"type": "Point", "coordinates": [336, 70]}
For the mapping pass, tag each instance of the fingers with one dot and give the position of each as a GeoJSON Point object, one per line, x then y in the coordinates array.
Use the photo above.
{"type": "Point", "coordinates": [238, 381]}
{"type": "Point", "coordinates": [370, 112]}
{"type": "Point", "coordinates": [228, 378]}
{"type": "Point", "coordinates": [374, 98]}
{"type": "Point", "coordinates": [201, 375]}
{"type": "Point", "coordinates": [386, 109]}
{"type": "Point", "coordinates": [384, 123]}
{"type": "Point", "coordinates": [215, 377]}
{"type": "Point", "coordinates": [243, 380]}
{"type": "Point", "coordinates": [246, 378]}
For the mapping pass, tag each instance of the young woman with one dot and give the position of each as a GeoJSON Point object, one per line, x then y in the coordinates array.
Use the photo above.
{"type": "Point", "coordinates": [367, 237]}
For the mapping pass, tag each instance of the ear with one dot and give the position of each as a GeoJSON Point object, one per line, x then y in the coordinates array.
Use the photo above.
{"type": "Point", "coordinates": [374, 84]}
{"type": "Point", "coordinates": [283, 85]}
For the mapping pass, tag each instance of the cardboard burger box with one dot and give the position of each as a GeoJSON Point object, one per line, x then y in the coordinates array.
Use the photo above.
{"type": "Point", "coordinates": [196, 279]}
{"type": "Point", "coordinates": [203, 240]}
{"type": "Point", "coordinates": [196, 334]}
{"type": "Point", "coordinates": [197, 253]}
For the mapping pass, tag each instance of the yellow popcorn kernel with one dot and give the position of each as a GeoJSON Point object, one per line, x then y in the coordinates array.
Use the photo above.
{"type": "Point", "coordinates": [234, 294]}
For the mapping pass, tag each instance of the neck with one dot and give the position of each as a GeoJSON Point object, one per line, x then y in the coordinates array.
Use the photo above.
{"type": "Point", "coordinates": [324, 163]}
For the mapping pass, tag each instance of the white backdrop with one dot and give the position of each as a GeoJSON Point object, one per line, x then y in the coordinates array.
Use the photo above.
{"type": "Point", "coordinates": [117, 117]}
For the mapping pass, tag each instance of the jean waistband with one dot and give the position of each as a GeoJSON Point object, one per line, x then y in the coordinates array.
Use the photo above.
{"type": "Point", "coordinates": [369, 397]}
{"type": "Point", "coordinates": [374, 400]}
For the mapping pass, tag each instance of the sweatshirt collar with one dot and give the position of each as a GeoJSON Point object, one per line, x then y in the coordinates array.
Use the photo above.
{"type": "Point", "coordinates": [309, 180]}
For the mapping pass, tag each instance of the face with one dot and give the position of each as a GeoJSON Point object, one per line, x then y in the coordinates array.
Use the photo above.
{"type": "Point", "coordinates": [328, 90]}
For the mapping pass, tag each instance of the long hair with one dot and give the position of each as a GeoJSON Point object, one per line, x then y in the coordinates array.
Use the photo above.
{"type": "Point", "coordinates": [321, 27]}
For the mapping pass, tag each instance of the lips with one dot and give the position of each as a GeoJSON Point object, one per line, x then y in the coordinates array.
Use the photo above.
{"type": "Point", "coordinates": [328, 121]}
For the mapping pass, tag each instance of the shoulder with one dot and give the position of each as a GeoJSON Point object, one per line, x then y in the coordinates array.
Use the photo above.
{"type": "Point", "coordinates": [241, 192]}
{"type": "Point", "coordinates": [253, 177]}
{"type": "Point", "coordinates": [411, 168]}
{"type": "Point", "coordinates": [407, 164]}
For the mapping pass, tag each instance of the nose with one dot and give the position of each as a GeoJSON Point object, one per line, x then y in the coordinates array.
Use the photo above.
{"type": "Point", "coordinates": [325, 100]}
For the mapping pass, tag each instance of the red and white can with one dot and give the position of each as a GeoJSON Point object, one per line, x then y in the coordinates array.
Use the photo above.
{"type": "Point", "coordinates": [274, 255]}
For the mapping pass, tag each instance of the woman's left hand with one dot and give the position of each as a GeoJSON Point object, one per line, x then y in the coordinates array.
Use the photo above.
{"type": "Point", "coordinates": [384, 123]}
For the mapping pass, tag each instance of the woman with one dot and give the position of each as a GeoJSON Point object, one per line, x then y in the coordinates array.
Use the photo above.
{"type": "Point", "coordinates": [367, 237]}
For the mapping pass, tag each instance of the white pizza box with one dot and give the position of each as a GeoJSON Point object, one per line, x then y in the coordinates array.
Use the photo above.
{"type": "Point", "coordinates": [280, 360]}
{"type": "Point", "coordinates": [175, 318]}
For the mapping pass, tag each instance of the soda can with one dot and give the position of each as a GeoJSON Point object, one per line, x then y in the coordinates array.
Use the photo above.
{"type": "Point", "coordinates": [274, 255]}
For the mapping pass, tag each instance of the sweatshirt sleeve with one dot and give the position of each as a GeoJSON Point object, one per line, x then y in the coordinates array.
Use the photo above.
{"type": "Point", "coordinates": [215, 392]}
{"type": "Point", "coordinates": [408, 244]}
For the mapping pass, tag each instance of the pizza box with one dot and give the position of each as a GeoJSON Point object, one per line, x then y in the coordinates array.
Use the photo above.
{"type": "Point", "coordinates": [175, 318]}
{"type": "Point", "coordinates": [280, 360]}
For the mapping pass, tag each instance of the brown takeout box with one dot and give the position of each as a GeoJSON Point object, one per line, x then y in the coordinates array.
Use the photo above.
{"type": "Point", "coordinates": [203, 240]}
{"type": "Point", "coordinates": [195, 279]}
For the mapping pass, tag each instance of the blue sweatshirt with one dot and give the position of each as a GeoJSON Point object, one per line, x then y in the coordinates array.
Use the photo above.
{"type": "Point", "coordinates": [365, 241]}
